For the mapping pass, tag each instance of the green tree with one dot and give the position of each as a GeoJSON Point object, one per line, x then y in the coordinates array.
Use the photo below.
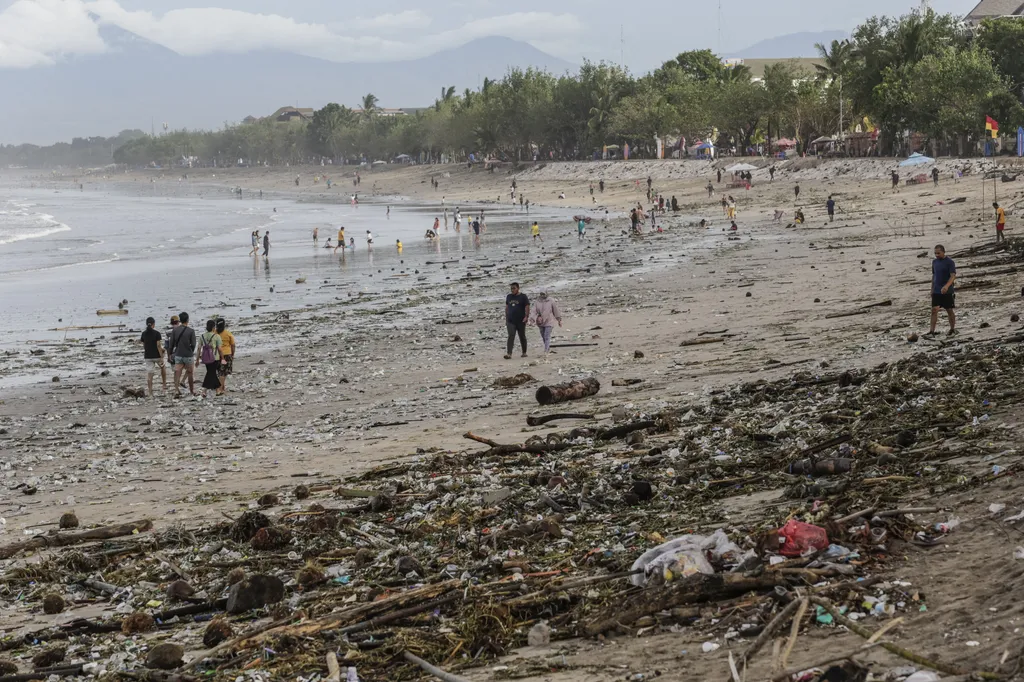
{"type": "Point", "coordinates": [701, 65]}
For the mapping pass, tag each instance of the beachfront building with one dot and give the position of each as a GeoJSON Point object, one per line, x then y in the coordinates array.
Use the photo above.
{"type": "Point", "coordinates": [994, 9]}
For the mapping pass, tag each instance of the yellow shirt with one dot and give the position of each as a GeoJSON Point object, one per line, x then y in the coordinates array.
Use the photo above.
{"type": "Point", "coordinates": [227, 340]}
{"type": "Point", "coordinates": [535, 229]}
{"type": "Point", "coordinates": [1000, 216]}
{"type": "Point", "coordinates": [399, 245]}
{"type": "Point", "coordinates": [341, 236]}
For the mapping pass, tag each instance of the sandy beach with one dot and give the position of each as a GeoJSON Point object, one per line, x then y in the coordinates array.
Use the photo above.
{"type": "Point", "coordinates": [337, 387]}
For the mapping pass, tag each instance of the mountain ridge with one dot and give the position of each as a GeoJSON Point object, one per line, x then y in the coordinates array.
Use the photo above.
{"type": "Point", "coordinates": [792, 45]}
{"type": "Point", "coordinates": [138, 84]}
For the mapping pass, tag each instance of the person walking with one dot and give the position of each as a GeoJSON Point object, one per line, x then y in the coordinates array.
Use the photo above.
{"type": "Point", "coordinates": [943, 289]}
{"type": "Point", "coordinates": [227, 354]}
{"type": "Point", "coordinates": [935, 176]}
{"type": "Point", "coordinates": [545, 315]}
{"type": "Point", "coordinates": [830, 206]}
{"type": "Point", "coordinates": [167, 342]}
{"type": "Point", "coordinates": [208, 354]}
{"type": "Point", "coordinates": [895, 182]}
{"type": "Point", "coordinates": [1000, 222]}
{"type": "Point", "coordinates": [517, 312]}
{"type": "Point", "coordinates": [255, 243]}
{"type": "Point", "coordinates": [183, 348]}
{"type": "Point", "coordinates": [316, 236]}
{"type": "Point", "coordinates": [535, 231]}
{"type": "Point", "coordinates": [341, 240]}
{"type": "Point", "coordinates": [581, 229]}
{"type": "Point", "coordinates": [153, 355]}
{"type": "Point", "coordinates": [266, 245]}
{"type": "Point", "coordinates": [796, 192]}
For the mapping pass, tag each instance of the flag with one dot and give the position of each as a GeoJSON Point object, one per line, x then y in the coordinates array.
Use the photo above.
{"type": "Point", "coordinates": [992, 126]}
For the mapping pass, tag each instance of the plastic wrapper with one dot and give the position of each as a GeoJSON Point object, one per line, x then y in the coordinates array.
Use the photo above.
{"type": "Point", "coordinates": [685, 556]}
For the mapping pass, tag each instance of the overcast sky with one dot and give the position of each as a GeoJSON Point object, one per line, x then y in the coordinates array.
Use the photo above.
{"type": "Point", "coordinates": [34, 33]}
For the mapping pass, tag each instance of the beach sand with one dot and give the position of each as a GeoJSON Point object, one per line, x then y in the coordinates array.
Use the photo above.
{"type": "Point", "coordinates": [314, 409]}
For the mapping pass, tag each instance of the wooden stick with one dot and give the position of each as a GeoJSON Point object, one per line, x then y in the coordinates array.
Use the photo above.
{"type": "Point", "coordinates": [513, 448]}
{"type": "Point", "coordinates": [67, 539]}
{"type": "Point", "coordinates": [852, 626]}
{"type": "Point", "coordinates": [65, 671]}
{"type": "Point", "coordinates": [769, 631]}
{"type": "Point", "coordinates": [625, 429]}
{"type": "Point", "coordinates": [223, 646]}
{"type": "Point", "coordinates": [854, 516]}
{"type": "Point", "coordinates": [701, 342]}
{"type": "Point", "coordinates": [431, 669]}
{"type": "Point", "coordinates": [398, 615]}
{"type": "Point", "coordinates": [908, 510]}
{"type": "Point", "coordinates": [794, 631]}
{"type": "Point", "coordinates": [532, 420]}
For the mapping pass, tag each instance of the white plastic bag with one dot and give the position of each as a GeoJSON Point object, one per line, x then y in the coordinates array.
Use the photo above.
{"type": "Point", "coordinates": [683, 557]}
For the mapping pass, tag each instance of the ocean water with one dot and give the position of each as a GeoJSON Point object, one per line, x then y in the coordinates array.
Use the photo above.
{"type": "Point", "coordinates": [64, 254]}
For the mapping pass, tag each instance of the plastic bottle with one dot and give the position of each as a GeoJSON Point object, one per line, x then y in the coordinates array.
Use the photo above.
{"type": "Point", "coordinates": [352, 675]}
{"type": "Point", "coordinates": [947, 526]}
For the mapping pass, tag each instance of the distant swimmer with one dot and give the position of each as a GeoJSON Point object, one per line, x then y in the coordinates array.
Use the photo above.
{"type": "Point", "coordinates": [398, 245]}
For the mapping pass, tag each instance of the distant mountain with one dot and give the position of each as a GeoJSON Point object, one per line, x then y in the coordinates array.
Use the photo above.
{"type": "Point", "coordinates": [138, 83]}
{"type": "Point", "coordinates": [792, 45]}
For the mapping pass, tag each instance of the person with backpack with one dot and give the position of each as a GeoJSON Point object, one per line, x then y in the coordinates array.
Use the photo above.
{"type": "Point", "coordinates": [183, 348]}
{"type": "Point", "coordinates": [209, 354]}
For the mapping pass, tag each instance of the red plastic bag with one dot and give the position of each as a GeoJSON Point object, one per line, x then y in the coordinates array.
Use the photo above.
{"type": "Point", "coordinates": [797, 538]}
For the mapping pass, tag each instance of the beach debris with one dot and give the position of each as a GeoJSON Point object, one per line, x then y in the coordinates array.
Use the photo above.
{"type": "Point", "coordinates": [53, 604]}
{"type": "Point", "coordinates": [68, 520]}
{"type": "Point", "coordinates": [50, 656]}
{"type": "Point", "coordinates": [539, 635]}
{"type": "Point", "coordinates": [166, 656]}
{"type": "Point", "coordinates": [254, 592]}
{"type": "Point", "coordinates": [179, 590]}
{"type": "Point", "coordinates": [573, 390]}
{"type": "Point", "coordinates": [218, 630]}
{"type": "Point", "coordinates": [137, 623]}
{"type": "Point", "coordinates": [797, 538]}
{"type": "Point", "coordinates": [513, 381]}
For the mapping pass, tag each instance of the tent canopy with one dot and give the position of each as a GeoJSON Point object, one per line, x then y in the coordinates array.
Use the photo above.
{"type": "Point", "coordinates": [916, 159]}
{"type": "Point", "coordinates": [785, 143]}
{"type": "Point", "coordinates": [741, 167]}
{"type": "Point", "coordinates": [823, 139]}
{"type": "Point", "coordinates": [705, 145]}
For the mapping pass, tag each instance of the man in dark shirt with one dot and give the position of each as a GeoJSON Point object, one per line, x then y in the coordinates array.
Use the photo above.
{"type": "Point", "coordinates": [935, 176]}
{"type": "Point", "coordinates": [153, 354]}
{"type": "Point", "coordinates": [830, 205]}
{"type": "Point", "coordinates": [517, 312]}
{"type": "Point", "coordinates": [266, 246]}
{"type": "Point", "coordinates": [943, 289]}
{"type": "Point", "coordinates": [183, 348]}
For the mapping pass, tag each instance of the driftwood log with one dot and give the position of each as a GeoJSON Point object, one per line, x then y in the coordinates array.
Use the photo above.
{"type": "Point", "coordinates": [67, 539]}
{"type": "Point", "coordinates": [694, 590]}
{"type": "Point", "coordinates": [573, 390]}
{"type": "Point", "coordinates": [535, 420]}
{"type": "Point", "coordinates": [514, 448]}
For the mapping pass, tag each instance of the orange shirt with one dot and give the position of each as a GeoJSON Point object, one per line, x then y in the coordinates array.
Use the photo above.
{"type": "Point", "coordinates": [227, 340]}
{"type": "Point", "coordinates": [1000, 216]}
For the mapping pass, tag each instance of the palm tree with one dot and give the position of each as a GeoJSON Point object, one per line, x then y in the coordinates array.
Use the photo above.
{"type": "Point", "coordinates": [836, 64]}
{"type": "Point", "coordinates": [370, 106]}
{"type": "Point", "coordinates": [835, 61]}
{"type": "Point", "coordinates": [447, 93]}
{"type": "Point", "coordinates": [737, 74]}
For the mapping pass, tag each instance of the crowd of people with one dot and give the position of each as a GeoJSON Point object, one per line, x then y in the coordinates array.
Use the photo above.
{"type": "Point", "coordinates": [184, 352]}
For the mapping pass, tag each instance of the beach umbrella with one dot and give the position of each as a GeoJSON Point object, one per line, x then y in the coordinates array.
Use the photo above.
{"type": "Point", "coordinates": [916, 159]}
{"type": "Point", "coordinates": [739, 167]}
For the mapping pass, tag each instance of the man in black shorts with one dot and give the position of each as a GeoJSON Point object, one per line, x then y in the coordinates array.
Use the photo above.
{"type": "Point", "coordinates": [517, 312]}
{"type": "Point", "coordinates": [943, 289]}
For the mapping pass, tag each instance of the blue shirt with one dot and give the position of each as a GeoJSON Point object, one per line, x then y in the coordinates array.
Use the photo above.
{"type": "Point", "coordinates": [942, 270]}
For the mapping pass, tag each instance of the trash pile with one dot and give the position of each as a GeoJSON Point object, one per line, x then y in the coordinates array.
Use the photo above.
{"type": "Point", "coordinates": [451, 559]}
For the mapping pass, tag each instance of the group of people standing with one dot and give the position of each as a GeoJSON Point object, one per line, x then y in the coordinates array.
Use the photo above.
{"type": "Point", "coordinates": [184, 352]}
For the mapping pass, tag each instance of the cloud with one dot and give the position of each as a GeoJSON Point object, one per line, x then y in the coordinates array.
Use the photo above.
{"type": "Point", "coordinates": [40, 32]}
{"type": "Point", "coordinates": [412, 19]}
{"type": "Point", "coordinates": [36, 32]}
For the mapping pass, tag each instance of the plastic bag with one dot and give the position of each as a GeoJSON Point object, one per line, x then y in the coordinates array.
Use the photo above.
{"type": "Point", "coordinates": [684, 556]}
{"type": "Point", "coordinates": [797, 538]}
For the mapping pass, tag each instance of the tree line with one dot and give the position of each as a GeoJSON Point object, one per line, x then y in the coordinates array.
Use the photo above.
{"type": "Point", "coordinates": [924, 73]}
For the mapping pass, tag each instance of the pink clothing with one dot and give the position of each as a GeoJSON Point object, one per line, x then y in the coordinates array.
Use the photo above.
{"type": "Point", "coordinates": [545, 312]}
